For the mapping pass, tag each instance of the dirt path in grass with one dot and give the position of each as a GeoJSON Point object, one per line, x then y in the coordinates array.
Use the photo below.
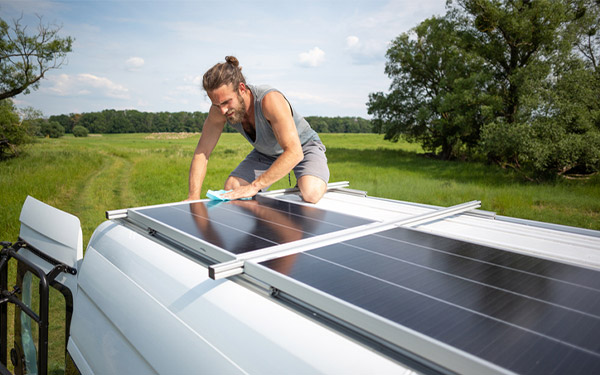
{"type": "Point", "coordinates": [107, 189]}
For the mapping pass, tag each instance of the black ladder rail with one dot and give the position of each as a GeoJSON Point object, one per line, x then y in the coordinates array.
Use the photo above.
{"type": "Point", "coordinates": [11, 251]}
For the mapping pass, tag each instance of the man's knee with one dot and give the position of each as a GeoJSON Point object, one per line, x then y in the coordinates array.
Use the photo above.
{"type": "Point", "coordinates": [233, 182]}
{"type": "Point", "coordinates": [312, 195]}
{"type": "Point", "coordinates": [312, 188]}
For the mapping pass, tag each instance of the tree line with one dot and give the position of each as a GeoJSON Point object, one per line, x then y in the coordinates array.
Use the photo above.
{"type": "Point", "coordinates": [133, 121]}
{"type": "Point", "coordinates": [22, 126]}
{"type": "Point", "coordinates": [516, 83]}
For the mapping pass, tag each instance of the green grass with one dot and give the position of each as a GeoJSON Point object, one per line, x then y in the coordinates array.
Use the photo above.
{"type": "Point", "coordinates": [88, 176]}
{"type": "Point", "coordinates": [401, 171]}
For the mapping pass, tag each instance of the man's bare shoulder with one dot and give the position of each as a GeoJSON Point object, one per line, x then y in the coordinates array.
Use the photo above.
{"type": "Point", "coordinates": [275, 104]}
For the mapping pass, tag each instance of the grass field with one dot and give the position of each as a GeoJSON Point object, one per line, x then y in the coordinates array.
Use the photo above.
{"type": "Point", "coordinates": [88, 176]}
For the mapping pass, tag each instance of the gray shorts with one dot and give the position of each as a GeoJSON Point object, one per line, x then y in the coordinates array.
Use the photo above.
{"type": "Point", "coordinates": [313, 164]}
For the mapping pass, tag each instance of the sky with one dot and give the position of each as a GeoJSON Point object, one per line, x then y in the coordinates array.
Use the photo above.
{"type": "Point", "coordinates": [325, 56]}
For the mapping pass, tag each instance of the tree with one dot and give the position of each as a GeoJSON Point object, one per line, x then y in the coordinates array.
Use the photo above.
{"type": "Point", "coordinates": [550, 99]}
{"type": "Point", "coordinates": [52, 129]}
{"type": "Point", "coordinates": [439, 96]}
{"type": "Point", "coordinates": [26, 58]}
{"type": "Point", "coordinates": [504, 79]}
{"type": "Point", "coordinates": [516, 39]}
{"type": "Point", "coordinates": [94, 122]}
{"type": "Point", "coordinates": [13, 133]}
{"type": "Point", "coordinates": [67, 122]}
{"type": "Point", "coordinates": [32, 120]}
{"type": "Point", "coordinates": [588, 44]}
{"type": "Point", "coordinates": [588, 31]}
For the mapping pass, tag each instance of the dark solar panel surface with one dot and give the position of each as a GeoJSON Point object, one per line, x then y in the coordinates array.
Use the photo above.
{"type": "Point", "coordinates": [246, 225]}
{"type": "Point", "coordinates": [525, 314]}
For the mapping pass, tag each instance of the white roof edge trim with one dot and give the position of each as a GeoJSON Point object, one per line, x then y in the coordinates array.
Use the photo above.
{"type": "Point", "coordinates": [553, 226]}
{"type": "Point", "coordinates": [495, 216]}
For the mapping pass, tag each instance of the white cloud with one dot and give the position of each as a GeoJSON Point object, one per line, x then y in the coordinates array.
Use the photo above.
{"type": "Point", "coordinates": [61, 84]}
{"type": "Point", "coordinates": [86, 84]}
{"type": "Point", "coordinates": [352, 41]}
{"type": "Point", "coordinates": [104, 84]}
{"type": "Point", "coordinates": [188, 90]}
{"type": "Point", "coordinates": [194, 80]}
{"type": "Point", "coordinates": [365, 52]}
{"type": "Point", "coordinates": [400, 16]}
{"type": "Point", "coordinates": [310, 98]}
{"type": "Point", "coordinates": [182, 93]}
{"type": "Point", "coordinates": [312, 58]}
{"type": "Point", "coordinates": [134, 63]}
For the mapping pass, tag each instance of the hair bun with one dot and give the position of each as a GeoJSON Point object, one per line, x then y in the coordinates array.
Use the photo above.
{"type": "Point", "coordinates": [232, 60]}
{"type": "Point", "coordinates": [225, 73]}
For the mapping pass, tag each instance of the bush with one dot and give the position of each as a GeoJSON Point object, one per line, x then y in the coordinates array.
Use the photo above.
{"type": "Point", "coordinates": [80, 131]}
{"type": "Point", "coordinates": [52, 129]}
{"type": "Point", "coordinates": [544, 150]}
{"type": "Point", "coordinates": [556, 151]}
{"type": "Point", "coordinates": [13, 133]}
{"type": "Point", "coordinates": [506, 144]}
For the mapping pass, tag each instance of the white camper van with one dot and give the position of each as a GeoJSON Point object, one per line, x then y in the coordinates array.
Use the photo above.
{"type": "Point", "coordinates": [273, 285]}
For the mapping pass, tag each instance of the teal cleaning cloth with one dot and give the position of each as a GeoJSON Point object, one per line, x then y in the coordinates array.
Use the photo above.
{"type": "Point", "coordinates": [217, 195]}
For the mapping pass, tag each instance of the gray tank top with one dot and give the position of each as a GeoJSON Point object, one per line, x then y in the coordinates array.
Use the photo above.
{"type": "Point", "coordinates": [266, 143]}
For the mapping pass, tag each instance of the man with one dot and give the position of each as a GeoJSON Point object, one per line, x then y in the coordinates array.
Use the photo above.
{"type": "Point", "coordinates": [283, 141]}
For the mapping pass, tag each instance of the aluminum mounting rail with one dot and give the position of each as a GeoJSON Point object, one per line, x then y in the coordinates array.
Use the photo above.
{"type": "Point", "coordinates": [123, 213]}
{"type": "Point", "coordinates": [236, 266]}
{"type": "Point", "coordinates": [330, 186]}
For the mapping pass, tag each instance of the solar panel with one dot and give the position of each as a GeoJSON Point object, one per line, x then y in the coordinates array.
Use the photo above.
{"type": "Point", "coordinates": [236, 227]}
{"type": "Point", "coordinates": [453, 299]}
{"type": "Point", "coordinates": [462, 306]}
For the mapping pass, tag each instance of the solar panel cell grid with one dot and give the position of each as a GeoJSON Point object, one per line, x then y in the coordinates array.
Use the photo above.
{"type": "Point", "coordinates": [525, 314]}
{"type": "Point", "coordinates": [242, 226]}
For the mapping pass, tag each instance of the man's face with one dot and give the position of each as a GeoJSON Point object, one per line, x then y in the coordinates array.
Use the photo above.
{"type": "Point", "coordinates": [230, 103]}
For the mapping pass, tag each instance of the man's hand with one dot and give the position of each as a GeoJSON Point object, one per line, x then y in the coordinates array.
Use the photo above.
{"type": "Point", "coordinates": [244, 191]}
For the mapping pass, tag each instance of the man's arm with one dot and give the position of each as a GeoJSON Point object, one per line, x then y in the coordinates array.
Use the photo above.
{"type": "Point", "coordinates": [211, 131]}
{"type": "Point", "coordinates": [279, 114]}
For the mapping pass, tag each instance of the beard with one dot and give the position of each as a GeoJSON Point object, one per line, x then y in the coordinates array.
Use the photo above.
{"type": "Point", "coordinates": [238, 113]}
